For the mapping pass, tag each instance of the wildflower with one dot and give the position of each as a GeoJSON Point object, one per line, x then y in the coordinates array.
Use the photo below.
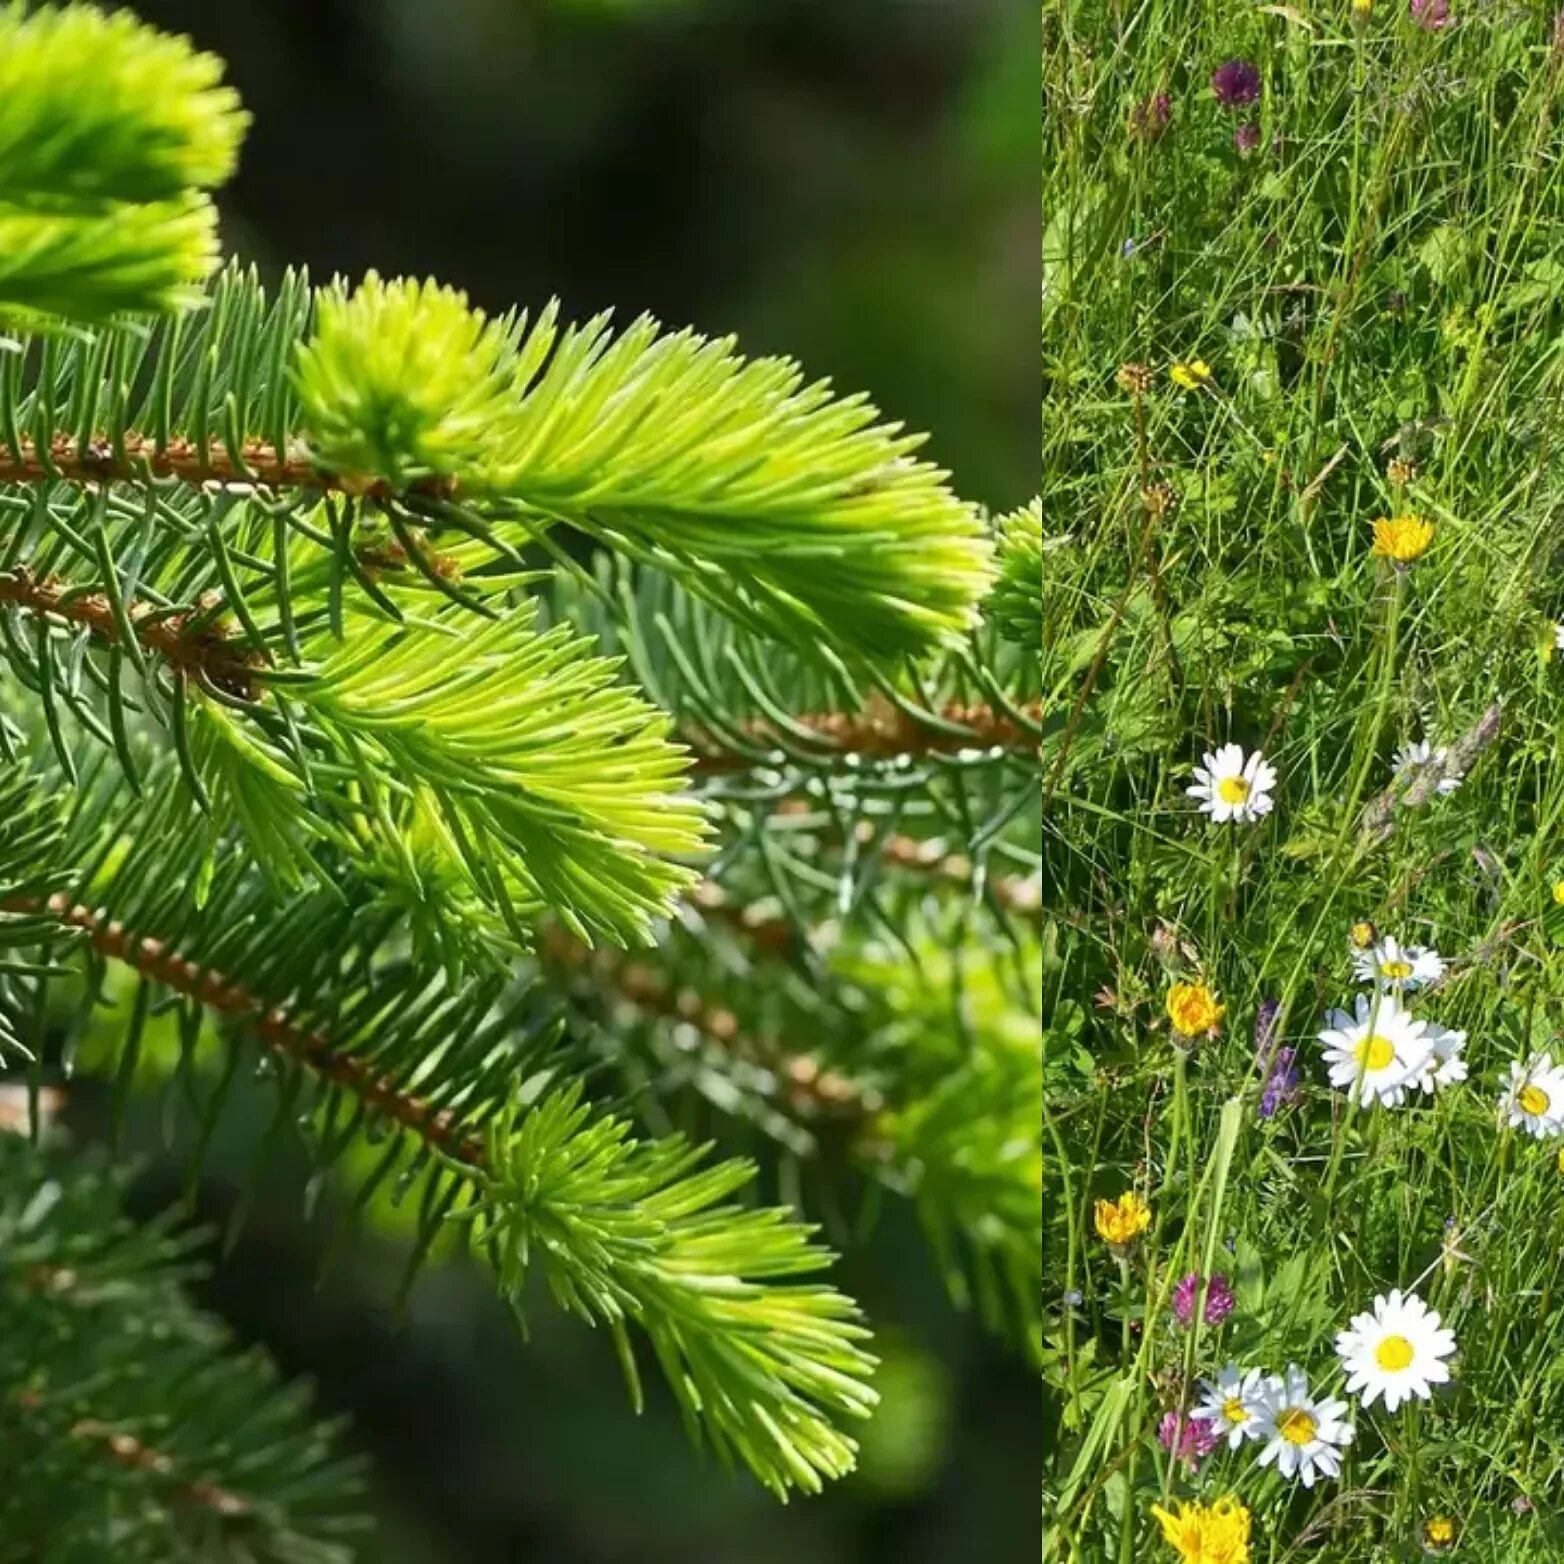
{"type": "Point", "coordinates": [1207, 1533]}
{"type": "Point", "coordinates": [1233, 1404]}
{"type": "Point", "coordinates": [1283, 1085]}
{"type": "Point", "coordinates": [1134, 379]}
{"type": "Point", "coordinates": [1397, 1352]}
{"type": "Point", "coordinates": [1412, 758]}
{"type": "Point", "coordinates": [1193, 1009]}
{"type": "Point", "coordinates": [1445, 1066]}
{"type": "Point", "coordinates": [1380, 1053]}
{"type": "Point", "coordinates": [1558, 893]}
{"type": "Point", "coordinates": [1233, 786]}
{"type": "Point", "coordinates": [1148, 120]}
{"type": "Point", "coordinates": [1305, 1436]}
{"type": "Point", "coordinates": [1120, 1222]}
{"type": "Point", "coordinates": [1359, 10]}
{"type": "Point", "coordinates": [1191, 374]}
{"type": "Point", "coordinates": [1431, 15]}
{"type": "Point", "coordinates": [1558, 638]}
{"type": "Point", "coordinates": [1534, 1099]}
{"type": "Point", "coordinates": [1560, 1159]}
{"type": "Point", "coordinates": [1191, 1439]}
{"type": "Point", "coordinates": [1220, 1301]}
{"type": "Point", "coordinates": [1246, 138]}
{"type": "Point", "coordinates": [1362, 934]}
{"type": "Point", "coordinates": [1401, 470]}
{"type": "Point", "coordinates": [1439, 1534]}
{"type": "Point", "coordinates": [1390, 965]}
{"type": "Point", "coordinates": [1402, 538]}
{"type": "Point", "coordinates": [1236, 84]}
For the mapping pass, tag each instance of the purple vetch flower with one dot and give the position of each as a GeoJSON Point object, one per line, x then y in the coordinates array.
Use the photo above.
{"type": "Point", "coordinates": [1431, 15]}
{"type": "Point", "coordinates": [1149, 119]}
{"type": "Point", "coordinates": [1190, 1439]}
{"type": "Point", "coordinates": [1246, 138]}
{"type": "Point", "coordinates": [1236, 83]}
{"type": "Point", "coordinates": [1283, 1086]}
{"type": "Point", "coordinates": [1220, 1301]}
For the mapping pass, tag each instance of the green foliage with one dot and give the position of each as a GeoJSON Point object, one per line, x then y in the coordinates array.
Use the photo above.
{"type": "Point", "coordinates": [99, 107]}
{"type": "Point", "coordinates": [402, 381]}
{"type": "Point", "coordinates": [309, 777]}
{"type": "Point", "coordinates": [132, 1427]}
{"type": "Point", "coordinates": [1016, 602]}
{"type": "Point", "coordinates": [626, 1228]}
{"type": "Point", "coordinates": [108, 131]}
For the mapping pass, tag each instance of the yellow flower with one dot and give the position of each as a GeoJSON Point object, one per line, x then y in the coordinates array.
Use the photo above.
{"type": "Point", "coordinates": [1361, 8]}
{"type": "Point", "coordinates": [1558, 893]}
{"type": "Point", "coordinates": [1122, 1221]}
{"type": "Point", "coordinates": [1561, 1159]}
{"type": "Point", "coordinates": [1191, 374]}
{"type": "Point", "coordinates": [1402, 538]}
{"type": "Point", "coordinates": [1439, 1534]}
{"type": "Point", "coordinates": [1207, 1533]}
{"type": "Point", "coordinates": [1363, 934]}
{"type": "Point", "coordinates": [1192, 1008]}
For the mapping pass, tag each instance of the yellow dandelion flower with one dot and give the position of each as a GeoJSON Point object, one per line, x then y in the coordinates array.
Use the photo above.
{"type": "Point", "coordinates": [1361, 8]}
{"type": "Point", "coordinates": [1193, 1009]}
{"type": "Point", "coordinates": [1558, 893]}
{"type": "Point", "coordinates": [1439, 1533]}
{"type": "Point", "coordinates": [1402, 538]}
{"type": "Point", "coordinates": [1191, 374]}
{"type": "Point", "coordinates": [1363, 934]}
{"type": "Point", "coordinates": [1561, 1159]}
{"type": "Point", "coordinates": [1120, 1222]}
{"type": "Point", "coordinates": [1207, 1533]}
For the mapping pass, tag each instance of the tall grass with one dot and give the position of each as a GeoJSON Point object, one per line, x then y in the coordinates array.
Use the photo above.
{"type": "Point", "coordinates": [1376, 284]}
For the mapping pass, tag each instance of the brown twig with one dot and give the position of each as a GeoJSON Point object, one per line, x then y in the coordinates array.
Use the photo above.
{"type": "Point", "coordinates": [139, 456]}
{"type": "Point", "coordinates": [193, 642]}
{"type": "Point", "coordinates": [273, 1026]}
{"type": "Point", "coordinates": [879, 731]}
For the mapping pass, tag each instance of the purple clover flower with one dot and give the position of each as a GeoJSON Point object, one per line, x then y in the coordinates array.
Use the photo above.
{"type": "Point", "coordinates": [1220, 1301]}
{"type": "Point", "coordinates": [1236, 83]}
{"type": "Point", "coordinates": [1190, 1439]}
{"type": "Point", "coordinates": [1431, 15]}
{"type": "Point", "coordinates": [1246, 138]}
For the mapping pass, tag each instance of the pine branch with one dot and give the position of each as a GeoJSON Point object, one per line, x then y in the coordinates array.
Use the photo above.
{"type": "Point", "coordinates": [130, 1429]}
{"type": "Point", "coordinates": [467, 1077]}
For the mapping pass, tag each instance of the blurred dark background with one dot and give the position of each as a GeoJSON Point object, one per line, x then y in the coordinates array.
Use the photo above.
{"type": "Point", "coordinates": [853, 183]}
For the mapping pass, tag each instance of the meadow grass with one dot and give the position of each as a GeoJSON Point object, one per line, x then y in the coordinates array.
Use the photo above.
{"type": "Point", "coordinates": [1266, 325]}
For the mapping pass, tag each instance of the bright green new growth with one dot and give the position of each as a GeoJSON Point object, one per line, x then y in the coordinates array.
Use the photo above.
{"type": "Point", "coordinates": [627, 1229]}
{"type": "Point", "coordinates": [108, 131]}
{"type": "Point", "coordinates": [792, 509]}
{"type": "Point", "coordinates": [102, 108]}
{"type": "Point", "coordinates": [1016, 603]}
{"type": "Point", "coordinates": [402, 381]}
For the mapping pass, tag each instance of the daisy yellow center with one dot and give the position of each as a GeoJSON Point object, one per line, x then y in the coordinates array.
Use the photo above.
{"type": "Point", "coordinates": [1297, 1426]}
{"type": "Point", "coordinates": [1395, 970]}
{"type": "Point", "coordinates": [1393, 1354]}
{"type": "Point", "coordinates": [1533, 1099]}
{"type": "Point", "coordinates": [1375, 1052]}
{"type": "Point", "coordinates": [1232, 790]}
{"type": "Point", "coordinates": [1234, 1410]}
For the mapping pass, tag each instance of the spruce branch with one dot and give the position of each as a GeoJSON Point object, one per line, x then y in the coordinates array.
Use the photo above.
{"type": "Point", "coordinates": [1015, 605]}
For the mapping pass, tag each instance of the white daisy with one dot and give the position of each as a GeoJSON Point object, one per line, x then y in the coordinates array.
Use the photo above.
{"type": "Point", "coordinates": [1304, 1436]}
{"type": "Point", "coordinates": [1233, 1404]}
{"type": "Point", "coordinates": [1380, 1053]}
{"type": "Point", "coordinates": [1393, 965]}
{"type": "Point", "coordinates": [1558, 637]}
{"type": "Point", "coordinates": [1413, 757]}
{"type": "Point", "coordinates": [1397, 1352]}
{"type": "Point", "coordinates": [1445, 1065]}
{"type": "Point", "coordinates": [1534, 1100]}
{"type": "Point", "coordinates": [1231, 786]}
